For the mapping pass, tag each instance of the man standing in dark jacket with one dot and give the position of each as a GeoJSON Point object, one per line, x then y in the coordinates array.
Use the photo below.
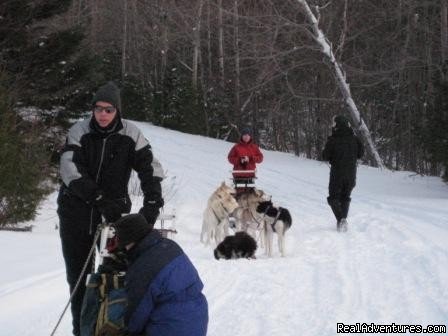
{"type": "Point", "coordinates": [95, 169]}
{"type": "Point", "coordinates": [342, 150]}
{"type": "Point", "coordinates": [163, 287]}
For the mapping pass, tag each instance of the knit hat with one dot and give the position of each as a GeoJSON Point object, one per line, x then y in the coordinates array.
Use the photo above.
{"type": "Point", "coordinates": [109, 93]}
{"type": "Point", "coordinates": [341, 121]}
{"type": "Point", "coordinates": [131, 229]}
{"type": "Point", "coordinates": [246, 130]}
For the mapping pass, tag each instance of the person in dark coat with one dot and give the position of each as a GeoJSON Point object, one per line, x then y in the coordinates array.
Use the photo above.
{"type": "Point", "coordinates": [342, 150]}
{"type": "Point", "coordinates": [95, 169]}
{"type": "Point", "coordinates": [164, 289]}
{"type": "Point", "coordinates": [244, 156]}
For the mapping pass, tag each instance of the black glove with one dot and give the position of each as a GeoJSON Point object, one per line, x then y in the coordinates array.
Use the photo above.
{"type": "Point", "coordinates": [150, 209]}
{"type": "Point", "coordinates": [157, 202]}
{"type": "Point", "coordinates": [150, 212]}
{"type": "Point", "coordinates": [108, 208]}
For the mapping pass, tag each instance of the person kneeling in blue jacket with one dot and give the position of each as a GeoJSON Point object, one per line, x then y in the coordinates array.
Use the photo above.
{"type": "Point", "coordinates": [164, 289]}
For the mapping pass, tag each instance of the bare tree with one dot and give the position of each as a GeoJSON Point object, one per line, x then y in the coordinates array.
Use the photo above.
{"type": "Point", "coordinates": [124, 42]}
{"type": "Point", "coordinates": [221, 43]}
{"type": "Point", "coordinates": [197, 45]}
{"type": "Point", "coordinates": [341, 81]}
{"type": "Point", "coordinates": [444, 30]}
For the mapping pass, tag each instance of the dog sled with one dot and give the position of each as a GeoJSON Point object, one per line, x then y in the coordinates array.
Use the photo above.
{"type": "Point", "coordinates": [166, 220]}
{"type": "Point", "coordinates": [105, 299]}
{"type": "Point", "coordinates": [243, 181]}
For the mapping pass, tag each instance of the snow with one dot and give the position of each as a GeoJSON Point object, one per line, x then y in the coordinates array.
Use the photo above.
{"type": "Point", "coordinates": [390, 267]}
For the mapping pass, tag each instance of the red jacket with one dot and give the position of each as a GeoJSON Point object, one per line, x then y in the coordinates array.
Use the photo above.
{"type": "Point", "coordinates": [241, 149]}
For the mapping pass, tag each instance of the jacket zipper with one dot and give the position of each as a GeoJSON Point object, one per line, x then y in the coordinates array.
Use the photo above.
{"type": "Point", "coordinates": [97, 178]}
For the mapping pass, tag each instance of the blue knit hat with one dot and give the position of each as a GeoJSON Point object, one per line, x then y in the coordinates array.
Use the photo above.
{"type": "Point", "coordinates": [246, 130]}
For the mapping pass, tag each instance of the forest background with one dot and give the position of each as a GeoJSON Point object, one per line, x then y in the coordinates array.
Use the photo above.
{"type": "Point", "coordinates": [211, 66]}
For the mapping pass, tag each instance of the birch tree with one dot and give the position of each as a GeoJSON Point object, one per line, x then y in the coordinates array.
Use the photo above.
{"type": "Point", "coordinates": [344, 87]}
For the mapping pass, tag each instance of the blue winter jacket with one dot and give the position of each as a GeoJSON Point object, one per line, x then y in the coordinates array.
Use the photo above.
{"type": "Point", "coordinates": [164, 291]}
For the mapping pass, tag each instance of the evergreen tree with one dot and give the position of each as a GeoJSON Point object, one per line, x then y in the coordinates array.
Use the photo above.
{"type": "Point", "coordinates": [41, 66]}
{"type": "Point", "coordinates": [434, 134]}
{"type": "Point", "coordinates": [22, 168]}
{"type": "Point", "coordinates": [43, 60]}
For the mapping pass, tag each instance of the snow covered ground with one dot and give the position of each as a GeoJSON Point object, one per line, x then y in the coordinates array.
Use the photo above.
{"type": "Point", "coordinates": [390, 267]}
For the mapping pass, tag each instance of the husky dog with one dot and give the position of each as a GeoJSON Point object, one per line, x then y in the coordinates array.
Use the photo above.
{"type": "Point", "coordinates": [277, 220]}
{"type": "Point", "coordinates": [245, 216]}
{"type": "Point", "coordinates": [215, 223]}
{"type": "Point", "coordinates": [241, 245]}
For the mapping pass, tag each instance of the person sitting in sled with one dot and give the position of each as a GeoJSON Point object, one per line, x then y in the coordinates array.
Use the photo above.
{"type": "Point", "coordinates": [163, 287]}
{"type": "Point", "coordinates": [244, 156]}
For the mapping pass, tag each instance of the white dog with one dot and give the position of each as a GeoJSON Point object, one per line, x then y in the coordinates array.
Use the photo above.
{"type": "Point", "coordinates": [246, 217]}
{"type": "Point", "coordinates": [215, 223]}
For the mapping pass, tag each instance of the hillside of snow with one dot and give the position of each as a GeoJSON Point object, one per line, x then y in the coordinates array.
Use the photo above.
{"type": "Point", "coordinates": [390, 267]}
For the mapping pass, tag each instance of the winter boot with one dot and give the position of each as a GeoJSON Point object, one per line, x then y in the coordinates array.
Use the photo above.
{"type": "Point", "coordinates": [345, 205]}
{"type": "Point", "coordinates": [335, 207]}
{"type": "Point", "coordinates": [342, 225]}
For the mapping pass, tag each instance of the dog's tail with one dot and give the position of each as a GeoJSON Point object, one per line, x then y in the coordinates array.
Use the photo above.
{"type": "Point", "coordinates": [287, 219]}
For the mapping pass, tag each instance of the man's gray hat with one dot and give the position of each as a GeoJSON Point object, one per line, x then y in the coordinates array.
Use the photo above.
{"type": "Point", "coordinates": [109, 93]}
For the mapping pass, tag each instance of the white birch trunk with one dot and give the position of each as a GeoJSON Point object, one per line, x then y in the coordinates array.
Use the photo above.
{"type": "Point", "coordinates": [326, 49]}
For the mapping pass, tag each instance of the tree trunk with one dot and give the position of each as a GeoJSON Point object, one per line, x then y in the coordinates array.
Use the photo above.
{"type": "Point", "coordinates": [209, 41]}
{"type": "Point", "coordinates": [237, 61]}
{"type": "Point", "coordinates": [204, 97]}
{"type": "Point", "coordinates": [339, 51]}
{"type": "Point", "coordinates": [164, 51]}
{"type": "Point", "coordinates": [221, 43]}
{"type": "Point", "coordinates": [123, 48]}
{"type": "Point", "coordinates": [344, 87]}
{"type": "Point", "coordinates": [197, 46]}
{"type": "Point", "coordinates": [444, 30]}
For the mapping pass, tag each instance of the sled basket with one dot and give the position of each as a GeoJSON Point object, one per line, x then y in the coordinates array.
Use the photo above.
{"type": "Point", "coordinates": [104, 306]}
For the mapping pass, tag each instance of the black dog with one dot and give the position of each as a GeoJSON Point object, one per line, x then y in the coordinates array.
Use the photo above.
{"type": "Point", "coordinates": [241, 245]}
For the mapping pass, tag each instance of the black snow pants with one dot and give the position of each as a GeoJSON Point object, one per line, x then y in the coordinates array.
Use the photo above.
{"type": "Point", "coordinates": [77, 236]}
{"type": "Point", "coordinates": [340, 189]}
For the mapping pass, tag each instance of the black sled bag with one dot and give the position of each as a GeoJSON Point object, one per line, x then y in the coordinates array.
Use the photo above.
{"type": "Point", "coordinates": [104, 305]}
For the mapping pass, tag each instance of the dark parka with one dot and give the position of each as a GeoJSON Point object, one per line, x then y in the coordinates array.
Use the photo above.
{"type": "Point", "coordinates": [93, 162]}
{"type": "Point", "coordinates": [342, 150]}
{"type": "Point", "coordinates": [164, 291]}
{"type": "Point", "coordinates": [98, 161]}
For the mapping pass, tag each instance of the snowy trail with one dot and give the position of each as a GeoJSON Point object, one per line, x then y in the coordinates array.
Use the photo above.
{"type": "Point", "coordinates": [390, 267]}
